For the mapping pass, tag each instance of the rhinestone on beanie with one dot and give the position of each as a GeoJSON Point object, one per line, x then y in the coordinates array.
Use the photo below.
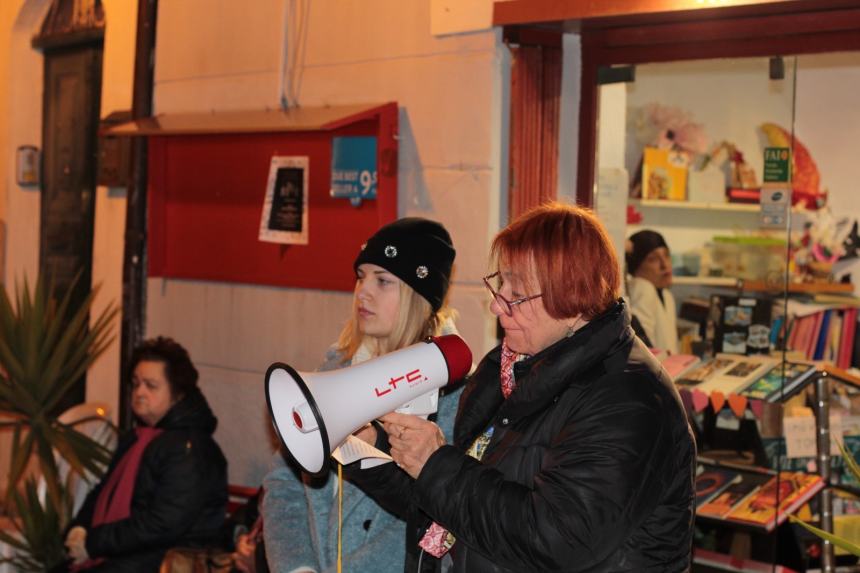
{"type": "Point", "coordinates": [390, 251]}
{"type": "Point", "coordinates": [421, 272]}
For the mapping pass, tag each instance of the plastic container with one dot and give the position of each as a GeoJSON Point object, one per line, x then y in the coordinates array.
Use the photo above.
{"type": "Point", "coordinates": [749, 258]}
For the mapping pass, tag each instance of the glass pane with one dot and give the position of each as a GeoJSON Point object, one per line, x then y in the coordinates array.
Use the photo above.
{"type": "Point", "coordinates": [698, 155]}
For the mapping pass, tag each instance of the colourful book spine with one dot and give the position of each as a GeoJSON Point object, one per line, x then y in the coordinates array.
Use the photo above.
{"type": "Point", "coordinates": [835, 335]}
{"type": "Point", "coordinates": [794, 333]}
{"type": "Point", "coordinates": [814, 332]}
{"type": "Point", "coordinates": [807, 325]}
{"type": "Point", "coordinates": [849, 326]}
{"type": "Point", "coordinates": [823, 333]}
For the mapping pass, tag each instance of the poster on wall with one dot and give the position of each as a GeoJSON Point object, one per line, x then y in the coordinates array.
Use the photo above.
{"type": "Point", "coordinates": [353, 168]}
{"type": "Point", "coordinates": [285, 209]}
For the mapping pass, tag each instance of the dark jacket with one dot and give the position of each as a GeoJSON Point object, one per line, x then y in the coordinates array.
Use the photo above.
{"type": "Point", "coordinates": [590, 467]}
{"type": "Point", "coordinates": [180, 493]}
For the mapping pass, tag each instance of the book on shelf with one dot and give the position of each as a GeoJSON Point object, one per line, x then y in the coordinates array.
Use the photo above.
{"type": "Point", "coordinates": [846, 346]}
{"type": "Point", "coordinates": [704, 371]}
{"type": "Point", "coordinates": [827, 335]}
{"type": "Point", "coordinates": [676, 365]}
{"type": "Point", "coordinates": [820, 342]}
{"type": "Point", "coordinates": [744, 371]}
{"type": "Point", "coordinates": [711, 481]}
{"type": "Point", "coordinates": [788, 489]}
{"type": "Point", "coordinates": [740, 195]}
{"type": "Point", "coordinates": [664, 174]}
{"type": "Point", "coordinates": [779, 380]}
{"type": "Point", "coordinates": [723, 503]}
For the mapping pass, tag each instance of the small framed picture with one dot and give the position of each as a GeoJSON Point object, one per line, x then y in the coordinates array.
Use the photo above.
{"type": "Point", "coordinates": [285, 209]}
{"type": "Point", "coordinates": [27, 166]}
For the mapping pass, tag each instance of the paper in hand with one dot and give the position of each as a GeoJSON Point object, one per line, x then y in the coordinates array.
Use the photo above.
{"type": "Point", "coordinates": [354, 449]}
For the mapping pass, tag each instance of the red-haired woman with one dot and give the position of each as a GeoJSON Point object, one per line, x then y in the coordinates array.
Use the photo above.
{"type": "Point", "coordinates": [571, 448]}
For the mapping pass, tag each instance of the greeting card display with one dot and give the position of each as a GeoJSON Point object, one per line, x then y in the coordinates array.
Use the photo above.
{"type": "Point", "coordinates": [739, 325]}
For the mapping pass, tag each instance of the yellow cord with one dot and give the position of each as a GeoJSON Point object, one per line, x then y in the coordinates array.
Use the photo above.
{"type": "Point", "coordinates": [339, 517]}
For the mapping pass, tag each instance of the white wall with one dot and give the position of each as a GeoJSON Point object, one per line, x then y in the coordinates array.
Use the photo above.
{"type": "Point", "coordinates": [103, 379]}
{"type": "Point", "coordinates": [828, 123]}
{"type": "Point", "coordinates": [21, 69]}
{"type": "Point", "coordinates": [23, 127]}
{"type": "Point", "coordinates": [450, 93]}
{"type": "Point", "coordinates": [568, 132]}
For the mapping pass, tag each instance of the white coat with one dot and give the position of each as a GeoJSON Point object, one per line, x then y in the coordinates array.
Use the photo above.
{"type": "Point", "coordinates": [657, 317]}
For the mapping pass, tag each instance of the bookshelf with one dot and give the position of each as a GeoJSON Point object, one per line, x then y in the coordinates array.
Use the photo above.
{"type": "Point", "coordinates": [797, 288]}
{"type": "Point", "coordinates": [764, 286]}
{"type": "Point", "coordinates": [742, 502]}
{"type": "Point", "coordinates": [724, 207]}
{"type": "Point", "coordinates": [727, 282]}
{"type": "Point", "coordinates": [687, 205]}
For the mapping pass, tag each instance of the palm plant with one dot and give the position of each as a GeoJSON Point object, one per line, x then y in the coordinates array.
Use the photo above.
{"type": "Point", "coordinates": [39, 543]}
{"type": "Point", "coordinates": [46, 345]}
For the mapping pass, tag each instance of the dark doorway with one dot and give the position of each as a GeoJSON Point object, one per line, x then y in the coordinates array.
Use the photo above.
{"type": "Point", "coordinates": [70, 121]}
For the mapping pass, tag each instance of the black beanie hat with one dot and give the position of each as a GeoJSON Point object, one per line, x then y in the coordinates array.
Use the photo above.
{"type": "Point", "coordinates": [417, 251]}
{"type": "Point", "coordinates": [642, 243]}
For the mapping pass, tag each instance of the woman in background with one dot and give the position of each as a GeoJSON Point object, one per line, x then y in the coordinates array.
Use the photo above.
{"type": "Point", "coordinates": [402, 278]}
{"type": "Point", "coordinates": [167, 483]}
{"type": "Point", "coordinates": [651, 301]}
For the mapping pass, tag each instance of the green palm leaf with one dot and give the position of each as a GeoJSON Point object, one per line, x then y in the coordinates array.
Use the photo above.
{"type": "Point", "coordinates": [849, 460]}
{"type": "Point", "coordinates": [39, 538]}
{"type": "Point", "coordinates": [46, 346]}
{"type": "Point", "coordinates": [852, 548]}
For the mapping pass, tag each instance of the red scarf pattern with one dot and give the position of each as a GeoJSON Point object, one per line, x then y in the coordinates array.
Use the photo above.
{"type": "Point", "coordinates": [437, 540]}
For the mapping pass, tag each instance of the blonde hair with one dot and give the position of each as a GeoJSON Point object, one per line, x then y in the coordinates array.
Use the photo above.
{"type": "Point", "coordinates": [415, 322]}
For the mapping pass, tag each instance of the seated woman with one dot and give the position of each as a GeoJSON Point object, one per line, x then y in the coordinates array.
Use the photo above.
{"type": "Point", "coordinates": [651, 301]}
{"type": "Point", "coordinates": [571, 448]}
{"type": "Point", "coordinates": [167, 483]}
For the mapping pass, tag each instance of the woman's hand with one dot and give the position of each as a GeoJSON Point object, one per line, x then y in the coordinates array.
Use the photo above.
{"type": "Point", "coordinates": [243, 557]}
{"type": "Point", "coordinates": [76, 544]}
{"type": "Point", "coordinates": [413, 440]}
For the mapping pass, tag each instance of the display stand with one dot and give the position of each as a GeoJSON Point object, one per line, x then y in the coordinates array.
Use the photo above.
{"type": "Point", "coordinates": [822, 400]}
{"type": "Point", "coordinates": [769, 418]}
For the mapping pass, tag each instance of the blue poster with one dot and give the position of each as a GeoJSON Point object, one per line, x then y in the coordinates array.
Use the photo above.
{"type": "Point", "coordinates": [353, 168]}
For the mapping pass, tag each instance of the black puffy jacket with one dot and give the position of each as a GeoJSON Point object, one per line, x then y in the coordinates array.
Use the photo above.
{"type": "Point", "coordinates": [180, 493]}
{"type": "Point", "coordinates": [590, 467]}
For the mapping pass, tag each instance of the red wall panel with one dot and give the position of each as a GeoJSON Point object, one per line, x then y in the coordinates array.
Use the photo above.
{"type": "Point", "coordinates": [206, 198]}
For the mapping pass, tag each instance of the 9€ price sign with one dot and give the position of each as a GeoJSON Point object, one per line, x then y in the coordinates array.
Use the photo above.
{"type": "Point", "coordinates": [353, 168]}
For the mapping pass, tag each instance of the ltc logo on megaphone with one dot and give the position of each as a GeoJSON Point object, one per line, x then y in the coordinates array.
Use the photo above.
{"type": "Point", "coordinates": [414, 377]}
{"type": "Point", "coordinates": [314, 412]}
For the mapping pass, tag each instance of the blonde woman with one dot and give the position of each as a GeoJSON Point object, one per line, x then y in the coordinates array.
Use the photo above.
{"type": "Point", "coordinates": [402, 278]}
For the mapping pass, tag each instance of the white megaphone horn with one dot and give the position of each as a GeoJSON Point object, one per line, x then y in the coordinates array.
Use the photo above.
{"type": "Point", "coordinates": [314, 412]}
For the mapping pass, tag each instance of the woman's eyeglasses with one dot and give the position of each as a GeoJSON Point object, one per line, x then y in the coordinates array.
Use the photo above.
{"type": "Point", "coordinates": [506, 305]}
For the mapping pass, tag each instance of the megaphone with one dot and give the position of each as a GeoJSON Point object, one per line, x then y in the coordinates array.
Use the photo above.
{"type": "Point", "coordinates": [314, 412]}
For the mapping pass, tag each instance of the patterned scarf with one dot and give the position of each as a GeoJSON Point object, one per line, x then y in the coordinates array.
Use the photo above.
{"type": "Point", "coordinates": [437, 541]}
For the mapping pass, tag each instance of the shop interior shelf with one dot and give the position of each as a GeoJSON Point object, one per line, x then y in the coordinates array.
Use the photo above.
{"type": "Point", "coordinates": [764, 286]}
